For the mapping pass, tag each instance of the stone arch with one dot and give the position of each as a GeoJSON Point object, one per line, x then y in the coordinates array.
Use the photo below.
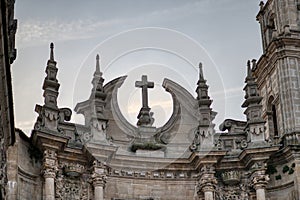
{"type": "Point", "coordinates": [271, 26]}
{"type": "Point", "coordinates": [272, 118]}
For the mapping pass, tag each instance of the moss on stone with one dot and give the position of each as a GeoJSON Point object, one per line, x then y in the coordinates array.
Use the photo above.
{"type": "Point", "coordinates": [285, 169]}
{"type": "Point", "coordinates": [145, 146]}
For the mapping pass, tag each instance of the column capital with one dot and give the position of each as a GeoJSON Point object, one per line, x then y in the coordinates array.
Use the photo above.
{"type": "Point", "coordinates": [100, 172]}
{"type": "Point", "coordinates": [49, 172]}
{"type": "Point", "coordinates": [259, 179]}
{"type": "Point", "coordinates": [99, 180]}
{"type": "Point", "coordinates": [99, 164]}
{"type": "Point", "coordinates": [207, 181]}
{"type": "Point", "coordinates": [49, 164]}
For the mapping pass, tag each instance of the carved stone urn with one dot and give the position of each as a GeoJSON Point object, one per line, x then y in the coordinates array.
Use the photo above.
{"type": "Point", "coordinates": [231, 177]}
{"type": "Point", "coordinates": [73, 169]}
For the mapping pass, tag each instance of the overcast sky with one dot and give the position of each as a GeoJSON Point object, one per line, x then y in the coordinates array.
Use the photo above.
{"type": "Point", "coordinates": [134, 37]}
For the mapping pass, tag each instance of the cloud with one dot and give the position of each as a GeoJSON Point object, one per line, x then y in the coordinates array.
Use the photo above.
{"type": "Point", "coordinates": [36, 31]}
{"type": "Point", "coordinates": [135, 107]}
{"type": "Point", "coordinates": [26, 126]}
{"type": "Point", "coordinates": [229, 92]}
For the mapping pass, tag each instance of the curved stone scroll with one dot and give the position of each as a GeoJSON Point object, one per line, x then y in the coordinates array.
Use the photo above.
{"type": "Point", "coordinates": [113, 111]}
{"type": "Point", "coordinates": [185, 116]}
{"type": "Point", "coordinates": [233, 126]}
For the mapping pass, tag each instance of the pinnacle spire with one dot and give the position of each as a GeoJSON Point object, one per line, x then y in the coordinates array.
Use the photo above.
{"type": "Point", "coordinates": [202, 88]}
{"type": "Point", "coordinates": [251, 88]}
{"type": "Point", "coordinates": [51, 51]}
{"type": "Point", "coordinates": [98, 80]}
{"type": "Point", "coordinates": [51, 84]}
{"type": "Point", "coordinates": [97, 73]}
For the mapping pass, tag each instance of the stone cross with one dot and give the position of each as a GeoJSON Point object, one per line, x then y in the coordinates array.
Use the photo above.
{"type": "Point", "coordinates": [144, 84]}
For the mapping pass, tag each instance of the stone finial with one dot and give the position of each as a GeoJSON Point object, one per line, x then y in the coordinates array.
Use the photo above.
{"type": "Point", "coordinates": [253, 64]}
{"type": "Point", "coordinates": [249, 70]}
{"type": "Point", "coordinates": [201, 76]}
{"type": "Point", "coordinates": [98, 80]}
{"type": "Point", "coordinates": [97, 63]}
{"type": "Point", "coordinates": [202, 88]}
{"type": "Point", "coordinates": [261, 4]}
{"type": "Point", "coordinates": [51, 51]}
{"type": "Point", "coordinates": [97, 72]}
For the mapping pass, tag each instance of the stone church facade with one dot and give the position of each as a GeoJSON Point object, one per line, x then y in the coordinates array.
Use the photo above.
{"type": "Point", "coordinates": [187, 158]}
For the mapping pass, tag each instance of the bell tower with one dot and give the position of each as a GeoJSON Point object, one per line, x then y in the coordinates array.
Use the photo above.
{"type": "Point", "coordinates": [278, 69]}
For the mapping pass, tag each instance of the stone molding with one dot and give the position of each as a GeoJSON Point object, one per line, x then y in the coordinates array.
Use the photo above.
{"type": "Point", "coordinates": [161, 175]}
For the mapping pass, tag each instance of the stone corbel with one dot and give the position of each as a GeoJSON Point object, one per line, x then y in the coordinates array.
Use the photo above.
{"type": "Point", "coordinates": [40, 120]}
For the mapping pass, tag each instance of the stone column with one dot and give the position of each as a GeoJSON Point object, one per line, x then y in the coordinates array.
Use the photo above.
{"type": "Point", "coordinates": [207, 182]}
{"type": "Point", "coordinates": [208, 192]}
{"type": "Point", "coordinates": [99, 179]}
{"type": "Point", "coordinates": [49, 176]}
{"type": "Point", "coordinates": [259, 181]}
{"type": "Point", "coordinates": [49, 173]}
{"type": "Point", "coordinates": [99, 183]}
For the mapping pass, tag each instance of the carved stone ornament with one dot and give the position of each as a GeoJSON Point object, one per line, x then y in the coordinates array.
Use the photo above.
{"type": "Point", "coordinates": [100, 172]}
{"type": "Point", "coordinates": [49, 172]}
{"type": "Point", "coordinates": [259, 180]}
{"type": "Point", "coordinates": [232, 126]}
{"type": "Point", "coordinates": [50, 154]}
{"type": "Point", "coordinates": [99, 164]}
{"type": "Point", "coordinates": [49, 164]}
{"type": "Point", "coordinates": [99, 179]}
{"type": "Point", "coordinates": [51, 115]}
{"type": "Point", "coordinates": [66, 188]}
{"type": "Point", "coordinates": [73, 169]}
{"type": "Point", "coordinates": [99, 125]}
{"type": "Point", "coordinates": [86, 137]}
{"type": "Point", "coordinates": [207, 181]}
{"type": "Point", "coordinates": [231, 177]}
{"type": "Point", "coordinates": [196, 141]}
{"type": "Point", "coordinates": [236, 192]}
{"type": "Point", "coordinates": [219, 144]}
